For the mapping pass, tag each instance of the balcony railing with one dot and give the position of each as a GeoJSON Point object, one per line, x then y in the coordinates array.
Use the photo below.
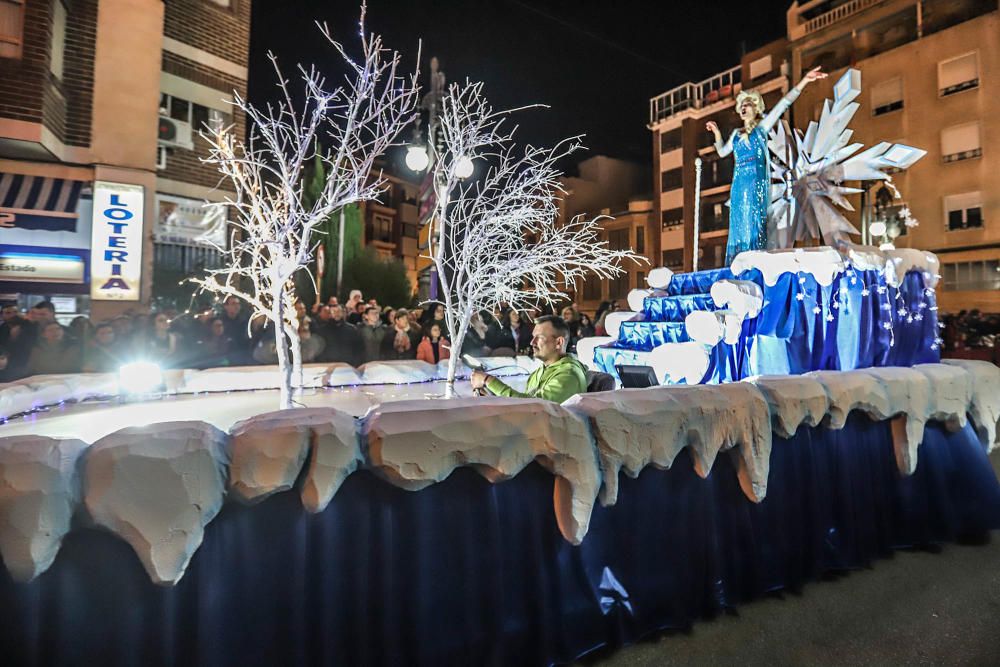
{"type": "Point", "coordinates": [695, 95]}
{"type": "Point", "coordinates": [837, 14]}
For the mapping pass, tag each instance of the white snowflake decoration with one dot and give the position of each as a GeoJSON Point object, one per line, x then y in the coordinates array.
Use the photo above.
{"type": "Point", "coordinates": [808, 173]}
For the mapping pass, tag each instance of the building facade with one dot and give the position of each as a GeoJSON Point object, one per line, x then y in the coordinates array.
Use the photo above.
{"type": "Point", "coordinates": [392, 224]}
{"type": "Point", "coordinates": [613, 188]}
{"type": "Point", "coordinates": [930, 72]}
{"type": "Point", "coordinates": [101, 184]}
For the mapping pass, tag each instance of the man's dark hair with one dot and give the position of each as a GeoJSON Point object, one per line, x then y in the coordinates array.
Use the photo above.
{"type": "Point", "coordinates": [371, 308]}
{"type": "Point", "coordinates": [558, 324]}
{"type": "Point", "coordinates": [103, 325]}
{"type": "Point", "coordinates": [45, 305]}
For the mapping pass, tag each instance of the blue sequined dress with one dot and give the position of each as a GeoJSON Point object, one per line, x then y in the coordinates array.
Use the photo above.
{"type": "Point", "coordinates": [749, 195]}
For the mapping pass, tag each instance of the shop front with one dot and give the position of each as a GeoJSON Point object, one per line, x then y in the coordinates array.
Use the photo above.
{"type": "Point", "coordinates": [45, 241]}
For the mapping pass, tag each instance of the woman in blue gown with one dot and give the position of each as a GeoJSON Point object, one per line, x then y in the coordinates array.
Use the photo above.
{"type": "Point", "coordinates": [750, 194]}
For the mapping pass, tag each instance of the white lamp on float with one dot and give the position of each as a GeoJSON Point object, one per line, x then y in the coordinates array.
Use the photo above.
{"type": "Point", "coordinates": [139, 377]}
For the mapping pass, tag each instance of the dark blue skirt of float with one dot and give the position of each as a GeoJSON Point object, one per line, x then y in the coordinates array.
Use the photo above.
{"type": "Point", "coordinates": [470, 573]}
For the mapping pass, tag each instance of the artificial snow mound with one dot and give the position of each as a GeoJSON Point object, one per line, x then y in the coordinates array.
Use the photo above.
{"type": "Point", "coordinates": [335, 452]}
{"type": "Point", "coordinates": [414, 444]}
{"type": "Point", "coordinates": [984, 407]}
{"type": "Point", "coordinates": [793, 400]}
{"type": "Point", "coordinates": [267, 452]}
{"type": "Point", "coordinates": [157, 487]}
{"type": "Point", "coordinates": [634, 428]}
{"type": "Point", "coordinates": [39, 491]}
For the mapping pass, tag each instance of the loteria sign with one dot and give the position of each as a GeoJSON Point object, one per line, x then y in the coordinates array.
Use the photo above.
{"type": "Point", "coordinates": [116, 242]}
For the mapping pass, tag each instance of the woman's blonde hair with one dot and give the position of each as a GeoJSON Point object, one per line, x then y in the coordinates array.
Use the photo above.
{"type": "Point", "coordinates": [754, 97]}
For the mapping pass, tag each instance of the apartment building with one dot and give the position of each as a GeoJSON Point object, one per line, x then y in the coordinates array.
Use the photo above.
{"type": "Point", "coordinates": [392, 224]}
{"type": "Point", "coordinates": [617, 189]}
{"type": "Point", "coordinates": [101, 184]}
{"type": "Point", "coordinates": [930, 73]}
{"type": "Point", "coordinates": [677, 121]}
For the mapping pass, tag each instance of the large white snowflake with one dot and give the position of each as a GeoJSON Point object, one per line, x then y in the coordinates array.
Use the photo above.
{"type": "Point", "coordinates": [808, 174]}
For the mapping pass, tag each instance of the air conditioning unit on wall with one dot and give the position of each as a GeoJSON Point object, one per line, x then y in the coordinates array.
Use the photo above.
{"type": "Point", "coordinates": [174, 133]}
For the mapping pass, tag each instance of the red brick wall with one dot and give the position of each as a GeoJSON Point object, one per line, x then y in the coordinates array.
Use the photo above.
{"type": "Point", "coordinates": [29, 92]}
{"type": "Point", "coordinates": [224, 32]}
{"type": "Point", "coordinates": [78, 70]}
{"type": "Point", "coordinates": [22, 82]}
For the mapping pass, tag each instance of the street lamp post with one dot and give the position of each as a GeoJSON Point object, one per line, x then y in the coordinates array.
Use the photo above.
{"type": "Point", "coordinates": [421, 156]}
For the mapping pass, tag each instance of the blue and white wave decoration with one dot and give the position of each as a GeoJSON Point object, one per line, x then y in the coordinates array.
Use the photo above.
{"type": "Point", "coordinates": [817, 309]}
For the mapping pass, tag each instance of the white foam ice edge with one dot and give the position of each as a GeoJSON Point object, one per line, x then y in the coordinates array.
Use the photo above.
{"type": "Point", "coordinates": [41, 391]}
{"type": "Point", "coordinates": [158, 486]}
{"type": "Point", "coordinates": [825, 263]}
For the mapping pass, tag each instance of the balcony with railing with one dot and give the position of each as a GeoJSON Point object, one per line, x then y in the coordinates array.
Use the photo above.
{"type": "Point", "coordinates": [689, 95]}
{"type": "Point", "coordinates": [809, 17]}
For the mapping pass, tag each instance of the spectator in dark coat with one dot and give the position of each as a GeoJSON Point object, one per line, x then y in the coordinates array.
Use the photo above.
{"type": "Point", "coordinates": [372, 332]}
{"type": "Point", "coordinates": [102, 355]}
{"type": "Point", "coordinates": [475, 338]}
{"type": "Point", "coordinates": [511, 332]}
{"type": "Point", "coordinates": [215, 346]}
{"type": "Point", "coordinates": [53, 353]}
{"type": "Point", "coordinates": [401, 341]}
{"type": "Point", "coordinates": [234, 323]}
{"type": "Point", "coordinates": [343, 341]}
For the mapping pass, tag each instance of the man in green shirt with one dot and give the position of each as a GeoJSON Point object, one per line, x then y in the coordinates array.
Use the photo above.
{"type": "Point", "coordinates": [560, 375]}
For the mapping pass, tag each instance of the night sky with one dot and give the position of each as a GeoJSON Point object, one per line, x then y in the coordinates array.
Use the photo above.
{"type": "Point", "coordinates": [595, 63]}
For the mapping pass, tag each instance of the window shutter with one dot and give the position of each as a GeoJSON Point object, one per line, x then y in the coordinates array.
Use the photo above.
{"type": "Point", "coordinates": [960, 140]}
{"type": "Point", "coordinates": [958, 73]}
{"type": "Point", "coordinates": [887, 94]}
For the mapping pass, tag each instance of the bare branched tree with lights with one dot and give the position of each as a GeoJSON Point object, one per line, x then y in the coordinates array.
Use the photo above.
{"type": "Point", "coordinates": [497, 239]}
{"type": "Point", "coordinates": [273, 231]}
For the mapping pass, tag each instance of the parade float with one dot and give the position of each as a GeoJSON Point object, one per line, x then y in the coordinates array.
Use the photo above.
{"type": "Point", "coordinates": [803, 424]}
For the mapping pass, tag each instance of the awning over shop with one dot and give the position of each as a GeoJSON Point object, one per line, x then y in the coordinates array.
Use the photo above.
{"type": "Point", "coordinates": [39, 203]}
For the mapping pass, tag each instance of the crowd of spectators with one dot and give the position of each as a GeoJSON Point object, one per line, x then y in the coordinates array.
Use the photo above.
{"type": "Point", "coordinates": [971, 330]}
{"type": "Point", "coordinates": [353, 332]}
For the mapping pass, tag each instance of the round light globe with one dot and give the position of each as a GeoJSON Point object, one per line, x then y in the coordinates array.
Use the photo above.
{"type": "Point", "coordinates": [417, 158]}
{"type": "Point", "coordinates": [877, 229]}
{"type": "Point", "coordinates": [464, 167]}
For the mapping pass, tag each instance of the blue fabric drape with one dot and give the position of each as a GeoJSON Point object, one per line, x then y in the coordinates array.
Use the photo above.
{"type": "Point", "coordinates": [467, 572]}
{"type": "Point", "coordinates": [647, 335]}
{"type": "Point", "coordinates": [699, 282]}
{"type": "Point", "coordinates": [858, 321]}
{"type": "Point", "coordinates": [675, 308]}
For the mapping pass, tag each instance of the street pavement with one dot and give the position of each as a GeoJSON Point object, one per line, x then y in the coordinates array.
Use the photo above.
{"type": "Point", "coordinates": [916, 608]}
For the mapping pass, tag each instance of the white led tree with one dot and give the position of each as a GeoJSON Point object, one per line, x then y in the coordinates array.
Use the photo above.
{"type": "Point", "coordinates": [346, 127]}
{"type": "Point", "coordinates": [498, 239]}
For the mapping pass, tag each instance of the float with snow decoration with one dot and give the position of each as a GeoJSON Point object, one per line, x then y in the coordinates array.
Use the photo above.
{"type": "Point", "coordinates": [781, 312]}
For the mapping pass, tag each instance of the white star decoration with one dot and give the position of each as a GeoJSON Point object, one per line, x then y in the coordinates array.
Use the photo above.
{"type": "Point", "coordinates": [807, 190]}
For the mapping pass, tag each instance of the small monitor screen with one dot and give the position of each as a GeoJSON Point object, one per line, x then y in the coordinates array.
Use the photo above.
{"type": "Point", "coordinates": [636, 377]}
